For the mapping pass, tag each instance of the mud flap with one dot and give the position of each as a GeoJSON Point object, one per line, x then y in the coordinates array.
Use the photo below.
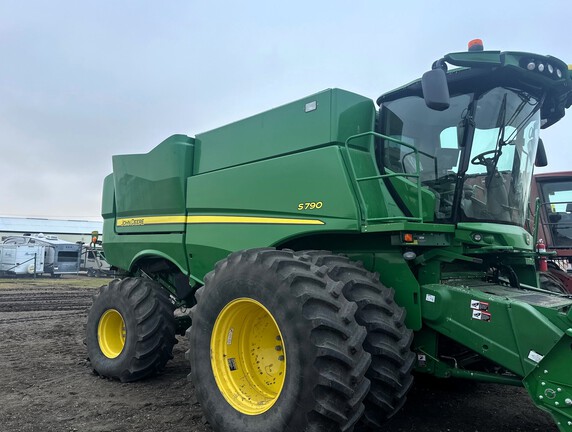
{"type": "Point", "coordinates": [550, 383]}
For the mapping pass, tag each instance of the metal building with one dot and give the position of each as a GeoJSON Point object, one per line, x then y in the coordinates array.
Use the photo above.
{"type": "Point", "coordinates": [69, 230]}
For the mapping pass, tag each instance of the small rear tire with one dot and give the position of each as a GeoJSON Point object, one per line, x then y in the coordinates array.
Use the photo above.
{"type": "Point", "coordinates": [130, 329]}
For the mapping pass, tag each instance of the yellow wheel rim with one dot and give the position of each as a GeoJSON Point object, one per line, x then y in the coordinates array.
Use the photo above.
{"type": "Point", "coordinates": [248, 356]}
{"type": "Point", "coordinates": [111, 333]}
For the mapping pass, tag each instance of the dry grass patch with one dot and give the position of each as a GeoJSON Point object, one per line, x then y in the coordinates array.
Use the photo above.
{"type": "Point", "coordinates": [64, 282]}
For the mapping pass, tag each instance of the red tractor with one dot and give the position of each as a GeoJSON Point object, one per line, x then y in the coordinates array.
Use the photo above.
{"type": "Point", "coordinates": [554, 206]}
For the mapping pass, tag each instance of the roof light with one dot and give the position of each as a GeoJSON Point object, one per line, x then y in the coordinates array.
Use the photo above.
{"type": "Point", "coordinates": [550, 68]}
{"type": "Point", "coordinates": [558, 73]}
{"type": "Point", "coordinates": [531, 66]}
{"type": "Point", "coordinates": [476, 45]}
{"type": "Point", "coordinates": [540, 67]}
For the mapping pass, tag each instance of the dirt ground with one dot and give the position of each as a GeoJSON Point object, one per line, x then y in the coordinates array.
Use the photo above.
{"type": "Point", "coordinates": [46, 383]}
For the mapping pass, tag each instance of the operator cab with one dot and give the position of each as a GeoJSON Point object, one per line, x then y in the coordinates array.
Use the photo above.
{"type": "Point", "coordinates": [476, 153]}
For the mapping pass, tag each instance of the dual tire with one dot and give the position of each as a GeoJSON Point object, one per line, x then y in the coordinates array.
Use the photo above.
{"type": "Point", "coordinates": [275, 347]}
{"type": "Point", "coordinates": [338, 330]}
{"type": "Point", "coordinates": [388, 339]}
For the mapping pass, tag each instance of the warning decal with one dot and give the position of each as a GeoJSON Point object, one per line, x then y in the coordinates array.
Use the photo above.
{"type": "Point", "coordinates": [481, 315]}
{"type": "Point", "coordinates": [479, 305]}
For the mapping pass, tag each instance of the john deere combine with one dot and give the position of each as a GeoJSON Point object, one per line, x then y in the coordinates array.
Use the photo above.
{"type": "Point", "coordinates": [326, 249]}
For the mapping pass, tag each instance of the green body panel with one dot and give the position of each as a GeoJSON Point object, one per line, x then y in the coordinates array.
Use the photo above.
{"type": "Point", "coordinates": [238, 191]}
{"type": "Point", "coordinates": [124, 250]}
{"type": "Point", "coordinates": [294, 127]}
{"type": "Point", "coordinates": [408, 191]}
{"type": "Point", "coordinates": [550, 383]}
{"type": "Point", "coordinates": [154, 183]}
{"type": "Point", "coordinates": [505, 336]}
{"type": "Point", "coordinates": [395, 273]}
{"type": "Point", "coordinates": [371, 191]}
{"type": "Point", "coordinates": [108, 202]}
{"type": "Point", "coordinates": [512, 236]}
{"type": "Point", "coordinates": [251, 190]}
{"type": "Point", "coordinates": [209, 243]}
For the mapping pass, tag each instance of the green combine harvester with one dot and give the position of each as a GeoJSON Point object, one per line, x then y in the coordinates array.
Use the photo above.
{"type": "Point", "coordinates": [326, 249]}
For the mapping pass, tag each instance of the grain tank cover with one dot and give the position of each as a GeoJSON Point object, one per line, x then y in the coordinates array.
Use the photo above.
{"type": "Point", "coordinates": [153, 183]}
{"type": "Point", "coordinates": [330, 116]}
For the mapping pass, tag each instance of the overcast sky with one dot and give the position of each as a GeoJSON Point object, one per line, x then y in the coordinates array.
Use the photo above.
{"type": "Point", "coordinates": [81, 81]}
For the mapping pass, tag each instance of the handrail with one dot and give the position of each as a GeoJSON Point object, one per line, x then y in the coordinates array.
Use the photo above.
{"type": "Point", "coordinates": [357, 179]}
{"type": "Point", "coordinates": [536, 219]}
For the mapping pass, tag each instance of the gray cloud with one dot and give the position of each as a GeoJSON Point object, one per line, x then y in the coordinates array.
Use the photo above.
{"type": "Point", "coordinates": [81, 81]}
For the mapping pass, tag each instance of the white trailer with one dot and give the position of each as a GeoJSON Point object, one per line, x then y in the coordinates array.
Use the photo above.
{"type": "Point", "coordinates": [22, 259]}
{"type": "Point", "coordinates": [61, 257]}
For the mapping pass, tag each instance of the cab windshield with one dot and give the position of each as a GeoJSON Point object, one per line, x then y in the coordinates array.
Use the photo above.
{"type": "Point", "coordinates": [476, 157]}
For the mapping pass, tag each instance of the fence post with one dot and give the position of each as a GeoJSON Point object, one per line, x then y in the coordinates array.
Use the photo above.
{"type": "Point", "coordinates": [35, 255]}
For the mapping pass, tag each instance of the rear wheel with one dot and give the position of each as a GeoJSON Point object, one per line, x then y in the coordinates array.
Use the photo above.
{"type": "Point", "coordinates": [130, 329]}
{"type": "Point", "coordinates": [388, 339]}
{"type": "Point", "coordinates": [274, 346]}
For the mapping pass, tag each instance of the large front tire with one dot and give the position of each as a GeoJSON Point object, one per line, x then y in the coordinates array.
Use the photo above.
{"type": "Point", "coordinates": [388, 339]}
{"type": "Point", "coordinates": [274, 347]}
{"type": "Point", "coordinates": [130, 329]}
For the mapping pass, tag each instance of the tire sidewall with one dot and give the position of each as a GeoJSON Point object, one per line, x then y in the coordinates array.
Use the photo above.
{"type": "Point", "coordinates": [108, 300]}
{"type": "Point", "coordinates": [256, 282]}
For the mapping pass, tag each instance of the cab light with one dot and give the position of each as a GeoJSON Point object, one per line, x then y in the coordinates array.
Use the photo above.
{"type": "Point", "coordinates": [531, 66]}
{"type": "Point", "coordinates": [550, 68]}
{"type": "Point", "coordinates": [476, 45]}
{"type": "Point", "coordinates": [558, 73]}
{"type": "Point", "coordinates": [541, 67]}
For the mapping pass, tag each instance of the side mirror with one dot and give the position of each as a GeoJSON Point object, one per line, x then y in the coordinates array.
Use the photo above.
{"type": "Point", "coordinates": [435, 89]}
{"type": "Point", "coordinates": [541, 159]}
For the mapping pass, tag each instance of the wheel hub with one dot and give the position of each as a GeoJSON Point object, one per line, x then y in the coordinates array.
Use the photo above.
{"type": "Point", "coordinates": [111, 333]}
{"type": "Point", "coordinates": [247, 356]}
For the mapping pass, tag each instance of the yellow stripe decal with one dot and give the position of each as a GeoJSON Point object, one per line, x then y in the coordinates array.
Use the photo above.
{"type": "Point", "coordinates": [157, 220]}
{"type": "Point", "coordinates": [251, 220]}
